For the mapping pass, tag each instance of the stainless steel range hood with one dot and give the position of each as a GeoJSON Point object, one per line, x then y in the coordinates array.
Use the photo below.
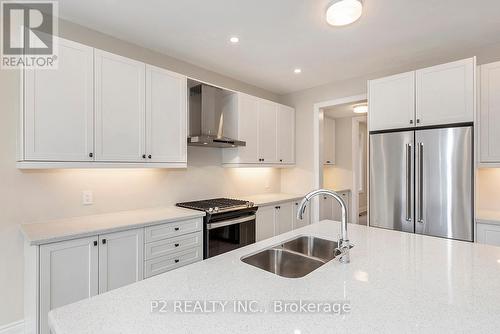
{"type": "Point", "coordinates": [206, 117]}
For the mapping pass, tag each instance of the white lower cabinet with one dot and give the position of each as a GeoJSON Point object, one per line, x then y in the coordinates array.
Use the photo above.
{"type": "Point", "coordinates": [68, 273]}
{"type": "Point", "coordinates": [279, 218]}
{"type": "Point", "coordinates": [488, 234]}
{"type": "Point", "coordinates": [65, 272]}
{"type": "Point", "coordinates": [330, 209]}
{"type": "Point", "coordinates": [306, 217]}
{"type": "Point", "coordinates": [120, 259]}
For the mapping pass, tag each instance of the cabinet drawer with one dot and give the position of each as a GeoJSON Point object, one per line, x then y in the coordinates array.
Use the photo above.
{"type": "Point", "coordinates": [172, 245]}
{"type": "Point", "coordinates": [165, 263]}
{"type": "Point", "coordinates": [169, 230]}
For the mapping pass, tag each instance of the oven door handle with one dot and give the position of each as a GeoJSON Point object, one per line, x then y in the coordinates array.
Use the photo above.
{"type": "Point", "coordinates": [230, 222]}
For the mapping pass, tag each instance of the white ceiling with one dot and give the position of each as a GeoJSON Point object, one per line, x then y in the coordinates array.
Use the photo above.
{"type": "Point", "coordinates": [343, 110]}
{"type": "Point", "coordinates": [277, 36]}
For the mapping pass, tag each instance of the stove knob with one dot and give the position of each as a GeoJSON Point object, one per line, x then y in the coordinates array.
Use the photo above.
{"type": "Point", "coordinates": [216, 209]}
{"type": "Point", "coordinates": [249, 204]}
{"type": "Point", "coordinates": [210, 210]}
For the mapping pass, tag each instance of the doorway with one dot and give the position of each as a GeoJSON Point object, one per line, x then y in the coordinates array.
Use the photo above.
{"type": "Point", "coordinates": [341, 152]}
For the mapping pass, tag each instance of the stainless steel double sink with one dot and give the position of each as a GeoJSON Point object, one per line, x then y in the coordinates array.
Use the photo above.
{"type": "Point", "coordinates": [294, 258]}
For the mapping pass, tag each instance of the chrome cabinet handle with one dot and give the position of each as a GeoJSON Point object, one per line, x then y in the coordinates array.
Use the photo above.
{"type": "Point", "coordinates": [421, 183]}
{"type": "Point", "coordinates": [408, 182]}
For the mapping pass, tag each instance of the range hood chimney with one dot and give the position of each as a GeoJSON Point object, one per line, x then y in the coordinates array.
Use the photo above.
{"type": "Point", "coordinates": [206, 118]}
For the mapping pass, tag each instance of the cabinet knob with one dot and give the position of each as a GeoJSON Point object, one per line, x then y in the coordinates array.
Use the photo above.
{"type": "Point", "coordinates": [103, 241]}
{"type": "Point", "coordinates": [144, 156]}
{"type": "Point", "coordinates": [95, 242]}
{"type": "Point", "coordinates": [411, 121]}
{"type": "Point", "coordinates": [91, 155]}
{"type": "Point", "coordinates": [328, 161]}
{"type": "Point", "coordinates": [281, 160]}
{"type": "Point", "coordinates": [176, 245]}
{"type": "Point", "coordinates": [418, 120]}
{"type": "Point", "coordinates": [176, 229]}
{"type": "Point", "coordinates": [150, 156]}
{"type": "Point", "coordinates": [176, 260]}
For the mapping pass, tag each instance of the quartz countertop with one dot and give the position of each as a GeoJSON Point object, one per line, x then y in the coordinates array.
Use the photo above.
{"type": "Point", "coordinates": [79, 227]}
{"type": "Point", "coordinates": [396, 283]}
{"type": "Point", "coordinates": [488, 217]}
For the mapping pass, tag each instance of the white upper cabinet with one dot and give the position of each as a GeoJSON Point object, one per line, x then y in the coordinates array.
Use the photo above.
{"type": "Point", "coordinates": [445, 93]}
{"type": "Point", "coordinates": [286, 135]}
{"type": "Point", "coordinates": [58, 108]}
{"type": "Point", "coordinates": [121, 259]}
{"type": "Point", "coordinates": [166, 114]}
{"type": "Point", "coordinates": [119, 108]}
{"type": "Point", "coordinates": [391, 102]}
{"type": "Point", "coordinates": [328, 141]}
{"type": "Point", "coordinates": [489, 115]}
{"type": "Point", "coordinates": [267, 131]}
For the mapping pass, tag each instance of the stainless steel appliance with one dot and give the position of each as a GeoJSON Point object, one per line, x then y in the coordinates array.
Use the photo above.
{"type": "Point", "coordinates": [421, 181]}
{"type": "Point", "coordinates": [228, 224]}
{"type": "Point", "coordinates": [207, 105]}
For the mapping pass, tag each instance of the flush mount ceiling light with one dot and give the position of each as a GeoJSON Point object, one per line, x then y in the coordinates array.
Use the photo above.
{"type": "Point", "coordinates": [234, 39]}
{"type": "Point", "coordinates": [360, 109]}
{"type": "Point", "coordinates": [344, 12]}
{"type": "Point", "coordinates": [297, 71]}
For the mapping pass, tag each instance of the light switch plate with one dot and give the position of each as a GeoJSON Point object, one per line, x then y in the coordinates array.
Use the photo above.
{"type": "Point", "coordinates": [87, 197]}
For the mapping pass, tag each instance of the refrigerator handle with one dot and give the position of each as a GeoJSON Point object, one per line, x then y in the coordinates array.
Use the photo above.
{"type": "Point", "coordinates": [408, 182]}
{"type": "Point", "coordinates": [420, 217]}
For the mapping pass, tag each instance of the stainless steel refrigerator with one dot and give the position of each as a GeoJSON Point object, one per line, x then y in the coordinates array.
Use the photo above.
{"type": "Point", "coordinates": [421, 181]}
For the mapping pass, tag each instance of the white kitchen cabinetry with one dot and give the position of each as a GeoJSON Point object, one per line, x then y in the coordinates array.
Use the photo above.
{"type": "Point", "coordinates": [120, 259]}
{"type": "Point", "coordinates": [391, 102]}
{"type": "Point", "coordinates": [488, 234]}
{"type": "Point", "coordinates": [438, 95]}
{"type": "Point", "coordinates": [267, 131]}
{"type": "Point", "coordinates": [267, 128]}
{"type": "Point", "coordinates": [278, 218]}
{"type": "Point", "coordinates": [329, 141]}
{"type": "Point", "coordinates": [445, 93]}
{"type": "Point", "coordinates": [306, 218]}
{"type": "Point", "coordinates": [330, 209]}
{"type": "Point", "coordinates": [166, 128]}
{"type": "Point", "coordinates": [286, 134]}
{"type": "Point", "coordinates": [58, 108]}
{"type": "Point", "coordinates": [489, 115]}
{"type": "Point", "coordinates": [69, 272]}
{"type": "Point", "coordinates": [265, 222]}
{"type": "Point", "coordinates": [119, 108]}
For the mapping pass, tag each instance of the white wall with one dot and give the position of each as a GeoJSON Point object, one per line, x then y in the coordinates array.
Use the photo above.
{"type": "Point", "coordinates": [28, 196]}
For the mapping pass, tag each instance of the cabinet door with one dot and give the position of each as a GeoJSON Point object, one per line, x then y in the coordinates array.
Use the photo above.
{"type": "Point", "coordinates": [119, 108]}
{"type": "Point", "coordinates": [391, 102]}
{"type": "Point", "coordinates": [248, 128]}
{"type": "Point", "coordinates": [166, 115]}
{"type": "Point", "coordinates": [489, 117]}
{"type": "Point", "coordinates": [121, 259]}
{"type": "Point", "coordinates": [265, 222]}
{"type": "Point", "coordinates": [59, 107]}
{"type": "Point", "coordinates": [68, 273]}
{"type": "Point", "coordinates": [329, 141]}
{"type": "Point", "coordinates": [445, 93]}
{"type": "Point", "coordinates": [306, 218]}
{"type": "Point", "coordinates": [286, 134]}
{"type": "Point", "coordinates": [488, 234]}
{"type": "Point", "coordinates": [267, 131]}
{"type": "Point", "coordinates": [284, 220]}
{"type": "Point", "coordinates": [326, 208]}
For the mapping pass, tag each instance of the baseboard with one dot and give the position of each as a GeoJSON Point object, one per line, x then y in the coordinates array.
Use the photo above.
{"type": "Point", "coordinates": [13, 328]}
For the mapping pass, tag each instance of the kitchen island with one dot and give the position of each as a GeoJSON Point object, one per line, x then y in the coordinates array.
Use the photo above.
{"type": "Point", "coordinates": [396, 283]}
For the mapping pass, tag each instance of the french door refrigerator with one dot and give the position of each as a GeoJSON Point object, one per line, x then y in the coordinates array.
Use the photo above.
{"type": "Point", "coordinates": [421, 181]}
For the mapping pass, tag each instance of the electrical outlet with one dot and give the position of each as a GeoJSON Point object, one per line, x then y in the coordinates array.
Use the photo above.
{"type": "Point", "coordinates": [87, 197]}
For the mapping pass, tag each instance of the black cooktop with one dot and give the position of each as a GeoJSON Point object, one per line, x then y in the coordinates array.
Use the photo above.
{"type": "Point", "coordinates": [216, 205]}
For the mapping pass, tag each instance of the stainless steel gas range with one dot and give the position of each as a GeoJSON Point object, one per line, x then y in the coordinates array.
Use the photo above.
{"type": "Point", "coordinates": [228, 224]}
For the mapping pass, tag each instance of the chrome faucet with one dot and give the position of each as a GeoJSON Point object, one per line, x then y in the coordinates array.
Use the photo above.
{"type": "Point", "coordinates": [343, 245]}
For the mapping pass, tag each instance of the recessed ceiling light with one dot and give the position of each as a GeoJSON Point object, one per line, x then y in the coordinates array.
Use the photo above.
{"type": "Point", "coordinates": [360, 109]}
{"type": "Point", "coordinates": [234, 39]}
{"type": "Point", "coordinates": [344, 12]}
{"type": "Point", "coordinates": [297, 71]}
